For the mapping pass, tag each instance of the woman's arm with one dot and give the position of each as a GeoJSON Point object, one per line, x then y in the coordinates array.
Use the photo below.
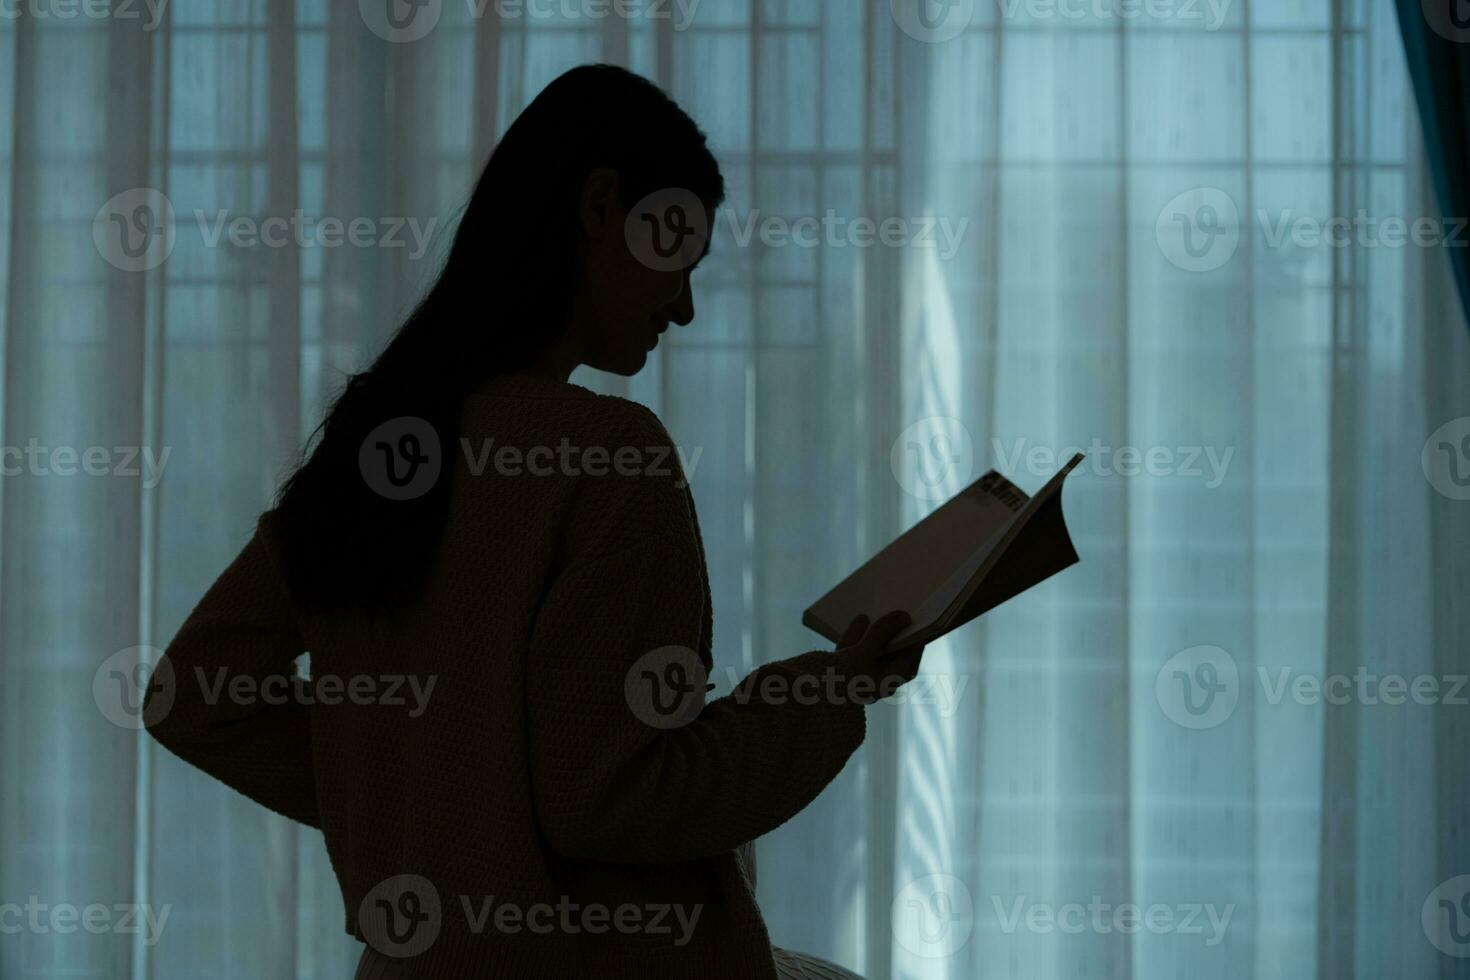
{"type": "Point", "coordinates": [611, 781]}
{"type": "Point", "coordinates": [612, 786]}
{"type": "Point", "coordinates": [237, 710]}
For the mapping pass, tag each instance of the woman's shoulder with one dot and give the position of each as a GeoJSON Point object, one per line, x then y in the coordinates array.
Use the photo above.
{"type": "Point", "coordinates": [516, 409]}
{"type": "Point", "coordinates": [606, 465]}
{"type": "Point", "coordinates": [631, 419]}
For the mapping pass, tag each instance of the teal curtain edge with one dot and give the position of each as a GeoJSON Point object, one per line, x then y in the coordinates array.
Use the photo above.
{"type": "Point", "coordinates": [1438, 70]}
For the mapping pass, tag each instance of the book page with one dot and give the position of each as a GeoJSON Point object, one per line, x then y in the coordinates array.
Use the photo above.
{"type": "Point", "coordinates": [923, 569]}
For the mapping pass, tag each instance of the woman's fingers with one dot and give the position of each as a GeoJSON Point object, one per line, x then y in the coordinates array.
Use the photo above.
{"type": "Point", "coordinates": [862, 653]}
{"type": "Point", "coordinates": [905, 661]}
{"type": "Point", "coordinates": [863, 646]}
{"type": "Point", "coordinates": [882, 632]}
{"type": "Point", "coordinates": [898, 668]}
{"type": "Point", "coordinates": [895, 671]}
{"type": "Point", "coordinates": [854, 631]}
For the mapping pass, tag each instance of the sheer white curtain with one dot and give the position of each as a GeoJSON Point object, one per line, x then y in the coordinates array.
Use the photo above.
{"type": "Point", "coordinates": [1101, 238]}
{"type": "Point", "coordinates": [1269, 524]}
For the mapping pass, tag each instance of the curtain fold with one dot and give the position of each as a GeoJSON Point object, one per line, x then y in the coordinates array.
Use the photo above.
{"type": "Point", "coordinates": [1129, 235]}
{"type": "Point", "coordinates": [1435, 33]}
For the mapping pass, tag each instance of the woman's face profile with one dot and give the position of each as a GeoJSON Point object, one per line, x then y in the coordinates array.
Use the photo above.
{"type": "Point", "coordinates": [639, 257]}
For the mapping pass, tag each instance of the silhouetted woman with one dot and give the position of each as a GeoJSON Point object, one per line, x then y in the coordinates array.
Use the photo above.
{"type": "Point", "coordinates": [505, 737]}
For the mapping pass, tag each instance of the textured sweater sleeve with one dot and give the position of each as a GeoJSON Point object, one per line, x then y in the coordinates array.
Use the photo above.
{"type": "Point", "coordinates": [226, 696]}
{"type": "Point", "coordinates": [615, 780]}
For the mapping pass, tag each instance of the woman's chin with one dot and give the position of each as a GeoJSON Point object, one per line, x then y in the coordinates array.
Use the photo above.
{"type": "Point", "coordinates": [626, 362]}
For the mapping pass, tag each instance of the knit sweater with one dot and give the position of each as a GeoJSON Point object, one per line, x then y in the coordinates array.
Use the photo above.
{"type": "Point", "coordinates": [501, 785]}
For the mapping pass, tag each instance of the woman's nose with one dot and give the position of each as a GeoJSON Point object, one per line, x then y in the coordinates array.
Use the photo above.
{"type": "Point", "coordinates": [681, 310]}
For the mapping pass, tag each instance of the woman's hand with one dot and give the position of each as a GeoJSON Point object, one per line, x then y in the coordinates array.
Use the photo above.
{"type": "Point", "coordinates": [862, 656]}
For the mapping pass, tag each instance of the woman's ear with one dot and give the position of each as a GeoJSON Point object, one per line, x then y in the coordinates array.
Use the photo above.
{"type": "Point", "coordinates": [601, 208]}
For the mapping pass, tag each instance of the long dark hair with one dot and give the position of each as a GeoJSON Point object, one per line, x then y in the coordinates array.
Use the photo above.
{"type": "Point", "coordinates": [503, 297]}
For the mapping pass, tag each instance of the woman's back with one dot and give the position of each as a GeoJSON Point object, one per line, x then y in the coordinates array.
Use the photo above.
{"type": "Point", "coordinates": [449, 791]}
{"type": "Point", "coordinates": [499, 786]}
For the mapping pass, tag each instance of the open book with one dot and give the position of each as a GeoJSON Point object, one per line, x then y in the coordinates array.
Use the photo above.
{"type": "Point", "coordinates": [986, 544]}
